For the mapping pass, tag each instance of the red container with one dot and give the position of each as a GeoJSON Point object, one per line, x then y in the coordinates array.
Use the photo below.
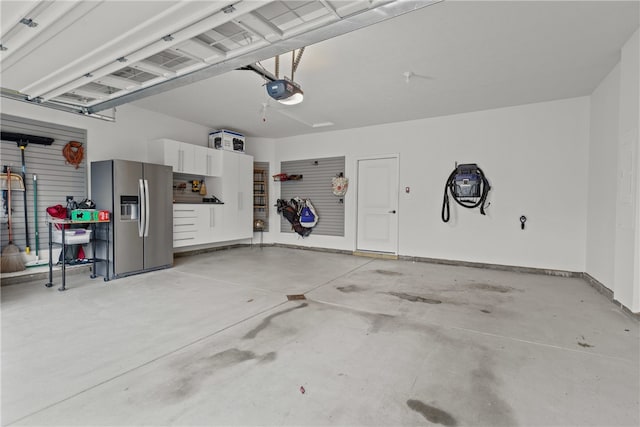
{"type": "Point", "coordinates": [103, 216]}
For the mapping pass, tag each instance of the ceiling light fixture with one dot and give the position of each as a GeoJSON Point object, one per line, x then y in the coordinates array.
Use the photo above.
{"type": "Point", "coordinates": [287, 91]}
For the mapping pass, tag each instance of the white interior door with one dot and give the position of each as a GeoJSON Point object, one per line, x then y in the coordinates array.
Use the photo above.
{"type": "Point", "coordinates": [378, 205]}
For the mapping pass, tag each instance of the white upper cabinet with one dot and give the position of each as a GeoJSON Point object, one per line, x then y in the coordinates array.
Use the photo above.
{"type": "Point", "coordinates": [186, 158]}
{"type": "Point", "coordinates": [207, 161]}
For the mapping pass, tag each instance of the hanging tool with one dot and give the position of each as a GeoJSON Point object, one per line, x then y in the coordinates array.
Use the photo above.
{"type": "Point", "coordinates": [523, 219]}
{"type": "Point", "coordinates": [16, 184]}
{"type": "Point", "coordinates": [73, 153]}
{"type": "Point", "coordinates": [22, 141]}
{"type": "Point", "coordinates": [11, 259]}
{"type": "Point", "coordinates": [468, 186]}
{"type": "Point", "coordinates": [37, 261]}
{"type": "Point", "coordinates": [35, 214]}
{"type": "Point", "coordinates": [23, 144]}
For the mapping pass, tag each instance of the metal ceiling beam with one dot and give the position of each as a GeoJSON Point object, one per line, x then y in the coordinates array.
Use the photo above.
{"type": "Point", "coordinates": [346, 25]}
{"type": "Point", "coordinates": [54, 89]}
{"type": "Point", "coordinates": [152, 68]}
{"type": "Point", "coordinates": [74, 109]}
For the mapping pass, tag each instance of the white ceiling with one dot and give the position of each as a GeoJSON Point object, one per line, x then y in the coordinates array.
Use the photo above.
{"type": "Point", "coordinates": [87, 56]}
{"type": "Point", "coordinates": [466, 56]}
{"type": "Point", "coordinates": [474, 55]}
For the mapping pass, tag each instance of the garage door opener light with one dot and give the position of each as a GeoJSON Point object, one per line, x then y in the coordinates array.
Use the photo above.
{"type": "Point", "coordinates": [287, 91]}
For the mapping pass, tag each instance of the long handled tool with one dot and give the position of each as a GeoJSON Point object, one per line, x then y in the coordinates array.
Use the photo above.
{"type": "Point", "coordinates": [23, 140]}
{"type": "Point", "coordinates": [11, 258]}
{"type": "Point", "coordinates": [37, 262]}
{"type": "Point", "coordinates": [27, 248]}
{"type": "Point", "coordinates": [16, 184]}
{"type": "Point", "coordinates": [35, 215]}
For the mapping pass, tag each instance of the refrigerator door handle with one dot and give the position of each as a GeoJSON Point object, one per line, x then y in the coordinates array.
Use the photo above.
{"type": "Point", "coordinates": [146, 204]}
{"type": "Point", "coordinates": [143, 208]}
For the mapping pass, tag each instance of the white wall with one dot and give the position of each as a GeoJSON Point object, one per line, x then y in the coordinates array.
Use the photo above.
{"type": "Point", "coordinates": [535, 157]}
{"type": "Point", "coordinates": [124, 139]}
{"type": "Point", "coordinates": [627, 242]}
{"type": "Point", "coordinates": [603, 160]}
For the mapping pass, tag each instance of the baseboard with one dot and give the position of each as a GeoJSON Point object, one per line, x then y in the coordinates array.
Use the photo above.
{"type": "Point", "coordinates": [310, 248]}
{"type": "Point", "coordinates": [598, 286]}
{"type": "Point", "coordinates": [377, 255]}
{"type": "Point", "coordinates": [188, 253]}
{"type": "Point", "coordinates": [602, 289]}
{"type": "Point", "coordinates": [503, 267]}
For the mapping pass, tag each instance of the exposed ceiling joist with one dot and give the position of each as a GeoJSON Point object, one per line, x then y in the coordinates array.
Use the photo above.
{"type": "Point", "coordinates": [323, 32]}
{"type": "Point", "coordinates": [214, 38]}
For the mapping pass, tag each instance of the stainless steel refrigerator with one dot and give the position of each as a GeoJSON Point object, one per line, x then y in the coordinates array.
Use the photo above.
{"type": "Point", "coordinates": [139, 197]}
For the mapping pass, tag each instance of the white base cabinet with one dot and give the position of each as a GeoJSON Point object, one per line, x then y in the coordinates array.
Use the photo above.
{"type": "Point", "coordinates": [200, 224]}
{"type": "Point", "coordinates": [197, 224]}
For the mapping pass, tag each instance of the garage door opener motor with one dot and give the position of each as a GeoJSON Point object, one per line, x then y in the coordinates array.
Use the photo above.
{"type": "Point", "coordinates": [468, 187]}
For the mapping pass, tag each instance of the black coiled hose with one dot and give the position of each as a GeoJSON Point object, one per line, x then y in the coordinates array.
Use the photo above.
{"type": "Point", "coordinates": [450, 186]}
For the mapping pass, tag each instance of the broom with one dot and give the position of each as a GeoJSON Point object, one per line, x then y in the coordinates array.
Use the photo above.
{"type": "Point", "coordinates": [11, 256]}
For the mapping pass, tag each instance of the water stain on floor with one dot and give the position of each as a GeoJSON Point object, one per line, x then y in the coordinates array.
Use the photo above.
{"type": "Point", "coordinates": [377, 321]}
{"type": "Point", "coordinates": [350, 288]}
{"type": "Point", "coordinates": [431, 413]}
{"type": "Point", "coordinates": [267, 321]}
{"type": "Point", "coordinates": [491, 409]}
{"type": "Point", "coordinates": [414, 298]}
{"type": "Point", "coordinates": [491, 288]}
{"type": "Point", "coordinates": [193, 370]}
{"type": "Point", "coordinates": [388, 272]}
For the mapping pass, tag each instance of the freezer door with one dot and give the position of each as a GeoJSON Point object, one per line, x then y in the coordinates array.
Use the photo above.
{"type": "Point", "coordinates": [158, 243]}
{"type": "Point", "coordinates": [127, 242]}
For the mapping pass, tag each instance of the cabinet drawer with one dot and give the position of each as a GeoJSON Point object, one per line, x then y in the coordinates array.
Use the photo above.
{"type": "Point", "coordinates": [184, 239]}
{"type": "Point", "coordinates": [184, 221]}
{"type": "Point", "coordinates": [184, 213]}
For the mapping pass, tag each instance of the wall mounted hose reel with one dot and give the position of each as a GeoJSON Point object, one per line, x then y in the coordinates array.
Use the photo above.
{"type": "Point", "coordinates": [468, 186]}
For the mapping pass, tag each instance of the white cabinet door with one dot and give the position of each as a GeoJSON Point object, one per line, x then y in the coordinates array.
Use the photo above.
{"type": "Point", "coordinates": [171, 153]}
{"type": "Point", "coordinates": [203, 225]}
{"type": "Point", "coordinates": [209, 223]}
{"type": "Point", "coordinates": [244, 225]}
{"type": "Point", "coordinates": [237, 188]}
{"type": "Point", "coordinates": [165, 152]}
{"type": "Point", "coordinates": [186, 158]}
{"type": "Point", "coordinates": [216, 225]}
{"type": "Point", "coordinates": [187, 153]}
{"type": "Point", "coordinates": [229, 195]}
{"type": "Point", "coordinates": [207, 161]}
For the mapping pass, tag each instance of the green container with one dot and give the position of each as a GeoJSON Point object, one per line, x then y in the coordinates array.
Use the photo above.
{"type": "Point", "coordinates": [85, 215]}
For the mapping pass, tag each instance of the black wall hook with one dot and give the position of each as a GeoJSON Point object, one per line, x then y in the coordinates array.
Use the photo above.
{"type": "Point", "coordinates": [523, 219]}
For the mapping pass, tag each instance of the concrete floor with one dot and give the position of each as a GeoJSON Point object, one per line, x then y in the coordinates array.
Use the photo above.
{"type": "Point", "coordinates": [214, 341]}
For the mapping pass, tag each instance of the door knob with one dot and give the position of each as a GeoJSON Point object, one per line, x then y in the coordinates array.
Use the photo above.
{"type": "Point", "coordinates": [393, 211]}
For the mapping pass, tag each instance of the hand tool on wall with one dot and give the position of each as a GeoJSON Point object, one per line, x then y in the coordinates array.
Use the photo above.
{"type": "Point", "coordinates": [27, 248]}
{"type": "Point", "coordinates": [11, 259]}
{"type": "Point", "coordinates": [22, 141]}
{"type": "Point", "coordinates": [37, 261]}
